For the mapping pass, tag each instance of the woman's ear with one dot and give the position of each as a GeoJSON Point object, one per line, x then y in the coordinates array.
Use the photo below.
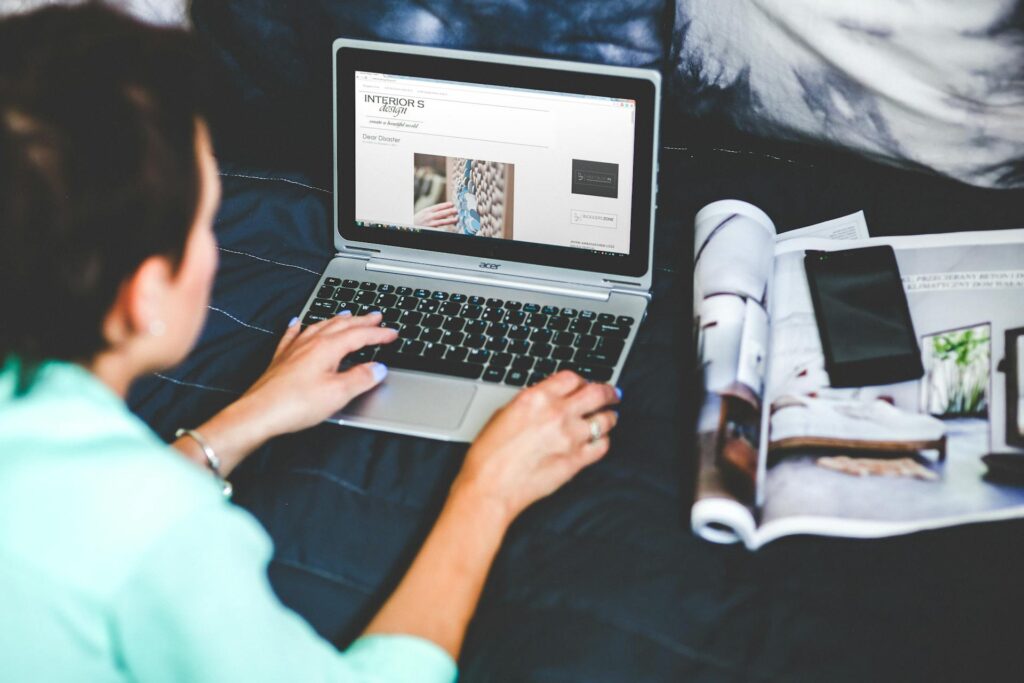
{"type": "Point", "coordinates": [140, 306]}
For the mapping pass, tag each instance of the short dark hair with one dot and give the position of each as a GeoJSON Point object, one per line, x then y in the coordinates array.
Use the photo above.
{"type": "Point", "coordinates": [98, 169]}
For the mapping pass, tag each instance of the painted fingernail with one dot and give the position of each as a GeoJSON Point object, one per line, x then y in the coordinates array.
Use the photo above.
{"type": "Point", "coordinates": [379, 370]}
{"type": "Point", "coordinates": [293, 321]}
{"type": "Point", "coordinates": [345, 312]}
{"type": "Point", "coordinates": [618, 392]}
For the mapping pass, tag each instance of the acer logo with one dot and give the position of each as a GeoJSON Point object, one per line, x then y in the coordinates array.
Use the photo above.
{"type": "Point", "coordinates": [490, 266]}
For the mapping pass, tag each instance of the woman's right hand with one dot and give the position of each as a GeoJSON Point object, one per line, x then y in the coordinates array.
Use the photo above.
{"type": "Point", "coordinates": [538, 442]}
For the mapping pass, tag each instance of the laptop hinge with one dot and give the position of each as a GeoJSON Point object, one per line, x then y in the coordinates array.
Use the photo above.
{"type": "Point", "coordinates": [512, 282]}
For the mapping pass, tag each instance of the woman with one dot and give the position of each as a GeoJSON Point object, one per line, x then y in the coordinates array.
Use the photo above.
{"type": "Point", "coordinates": [119, 558]}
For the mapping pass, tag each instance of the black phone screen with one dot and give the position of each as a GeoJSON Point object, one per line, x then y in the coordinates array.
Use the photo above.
{"type": "Point", "coordinates": [863, 318]}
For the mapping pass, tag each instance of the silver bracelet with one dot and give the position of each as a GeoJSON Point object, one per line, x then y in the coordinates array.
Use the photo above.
{"type": "Point", "coordinates": [211, 458]}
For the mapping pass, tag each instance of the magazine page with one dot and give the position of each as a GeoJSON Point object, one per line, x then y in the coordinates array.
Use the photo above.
{"type": "Point", "coordinates": [907, 456]}
{"type": "Point", "coordinates": [733, 258]}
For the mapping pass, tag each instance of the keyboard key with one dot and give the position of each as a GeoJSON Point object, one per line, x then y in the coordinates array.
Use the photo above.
{"type": "Point", "coordinates": [522, 363]}
{"type": "Point", "coordinates": [595, 373]}
{"type": "Point", "coordinates": [570, 312]}
{"type": "Point", "coordinates": [386, 300]}
{"type": "Point", "coordinates": [475, 327]}
{"type": "Point", "coordinates": [410, 331]}
{"type": "Point", "coordinates": [515, 317]}
{"type": "Point", "coordinates": [386, 289]}
{"type": "Point", "coordinates": [537, 320]}
{"type": "Point", "coordinates": [403, 291]}
{"type": "Point", "coordinates": [453, 324]}
{"type": "Point", "coordinates": [494, 374]}
{"type": "Point", "coordinates": [367, 309]}
{"type": "Point", "coordinates": [411, 317]}
{"type": "Point", "coordinates": [431, 335]}
{"type": "Point", "coordinates": [545, 365]}
{"type": "Point", "coordinates": [324, 307]}
{"type": "Point", "coordinates": [402, 361]}
{"type": "Point", "coordinates": [493, 314]}
{"type": "Point", "coordinates": [439, 296]}
{"type": "Point", "coordinates": [516, 378]}
{"type": "Point", "coordinates": [471, 310]}
{"type": "Point", "coordinates": [495, 302]}
{"type": "Point", "coordinates": [349, 306]}
{"type": "Point", "coordinates": [453, 338]}
{"type": "Point", "coordinates": [421, 293]}
{"type": "Point", "coordinates": [580, 326]}
{"type": "Point", "coordinates": [501, 360]}
{"type": "Point", "coordinates": [332, 281]}
{"type": "Point", "coordinates": [605, 318]}
{"type": "Point", "coordinates": [531, 308]}
{"type": "Point", "coordinates": [624, 320]}
{"type": "Point", "coordinates": [541, 350]}
{"type": "Point", "coordinates": [559, 323]}
{"type": "Point", "coordinates": [427, 306]}
{"type": "Point", "coordinates": [594, 358]}
{"type": "Point", "coordinates": [350, 284]}
{"type": "Point", "coordinates": [497, 329]}
{"type": "Point", "coordinates": [564, 338]}
{"type": "Point", "coordinates": [513, 305]}
{"type": "Point", "coordinates": [541, 336]}
{"type": "Point", "coordinates": [474, 341]}
{"type": "Point", "coordinates": [562, 353]}
{"type": "Point", "coordinates": [535, 377]}
{"type": "Point", "coordinates": [407, 303]}
{"type": "Point", "coordinates": [518, 331]}
{"type": "Point", "coordinates": [435, 351]}
{"type": "Point", "coordinates": [477, 300]}
{"type": "Point", "coordinates": [344, 294]}
{"type": "Point", "coordinates": [432, 320]}
{"type": "Point", "coordinates": [496, 344]}
{"type": "Point", "coordinates": [588, 315]}
{"type": "Point", "coordinates": [365, 297]}
{"type": "Point", "coordinates": [456, 354]}
{"type": "Point", "coordinates": [518, 346]}
{"type": "Point", "coordinates": [459, 298]}
{"type": "Point", "coordinates": [313, 318]}
{"type": "Point", "coordinates": [549, 310]}
{"type": "Point", "coordinates": [325, 292]}
{"type": "Point", "coordinates": [450, 308]}
{"type": "Point", "coordinates": [412, 347]}
{"type": "Point", "coordinates": [586, 342]}
{"type": "Point", "coordinates": [368, 286]}
{"type": "Point", "coordinates": [478, 356]}
{"type": "Point", "coordinates": [610, 330]}
{"type": "Point", "coordinates": [610, 345]}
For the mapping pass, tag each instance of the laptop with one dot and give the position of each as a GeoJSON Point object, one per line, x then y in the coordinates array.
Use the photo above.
{"type": "Point", "coordinates": [499, 212]}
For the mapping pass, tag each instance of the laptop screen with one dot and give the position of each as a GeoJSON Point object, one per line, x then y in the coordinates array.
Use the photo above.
{"type": "Point", "coordinates": [526, 161]}
{"type": "Point", "coordinates": [485, 161]}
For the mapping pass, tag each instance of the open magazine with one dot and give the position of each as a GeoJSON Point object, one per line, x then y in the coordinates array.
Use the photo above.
{"type": "Point", "coordinates": [782, 453]}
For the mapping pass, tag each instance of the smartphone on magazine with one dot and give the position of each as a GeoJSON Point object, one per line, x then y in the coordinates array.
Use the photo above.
{"type": "Point", "coordinates": [863, 318]}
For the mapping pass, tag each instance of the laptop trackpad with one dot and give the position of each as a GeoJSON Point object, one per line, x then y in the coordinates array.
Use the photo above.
{"type": "Point", "coordinates": [428, 401]}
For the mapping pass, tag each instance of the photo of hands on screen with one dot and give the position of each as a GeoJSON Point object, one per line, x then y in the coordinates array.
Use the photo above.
{"type": "Point", "coordinates": [464, 196]}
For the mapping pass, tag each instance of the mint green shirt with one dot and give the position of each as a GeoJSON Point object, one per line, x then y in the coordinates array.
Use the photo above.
{"type": "Point", "coordinates": [121, 561]}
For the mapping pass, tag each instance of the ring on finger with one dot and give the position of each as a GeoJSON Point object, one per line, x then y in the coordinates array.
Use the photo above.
{"type": "Point", "coordinates": [595, 429]}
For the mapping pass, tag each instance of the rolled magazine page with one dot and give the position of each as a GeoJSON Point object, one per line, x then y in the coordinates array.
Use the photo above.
{"type": "Point", "coordinates": [732, 269]}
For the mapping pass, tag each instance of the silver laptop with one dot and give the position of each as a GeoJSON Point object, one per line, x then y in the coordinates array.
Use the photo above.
{"type": "Point", "coordinates": [499, 212]}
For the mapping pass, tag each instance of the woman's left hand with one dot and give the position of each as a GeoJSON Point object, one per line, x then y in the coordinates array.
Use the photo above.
{"type": "Point", "coordinates": [301, 387]}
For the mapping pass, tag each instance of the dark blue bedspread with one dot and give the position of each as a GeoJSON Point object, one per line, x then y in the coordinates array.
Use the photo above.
{"type": "Point", "coordinates": [603, 582]}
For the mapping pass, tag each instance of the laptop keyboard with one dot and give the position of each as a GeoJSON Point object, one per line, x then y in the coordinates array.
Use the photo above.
{"type": "Point", "coordinates": [451, 333]}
